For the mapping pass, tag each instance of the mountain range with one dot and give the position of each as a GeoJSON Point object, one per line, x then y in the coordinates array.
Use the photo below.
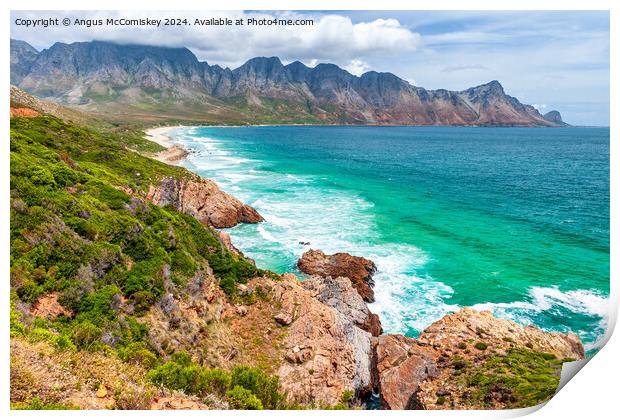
{"type": "Point", "coordinates": [149, 82]}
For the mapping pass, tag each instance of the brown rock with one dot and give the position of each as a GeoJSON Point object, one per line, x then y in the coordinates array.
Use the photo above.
{"type": "Point", "coordinates": [340, 295]}
{"type": "Point", "coordinates": [402, 365]}
{"type": "Point", "coordinates": [47, 306]}
{"type": "Point", "coordinates": [358, 269]}
{"type": "Point", "coordinates": [325, 354]}
{"type": "Point", "coordinates": [284, 318]}
{"type": "Point", "coordinates": [227, 242]}
{"type": "Point", "coordinates": [172, 154]}
{"type": "Point", "coordinates": [23, 112]}
{"type": "Point", "coordinates": [412, 374]}
{"type": "Point", "coordinates": [372, 324]}
{"type": "Point", "coordinates": [203, 199]}
{"type": "Point", "coordinates": [498, 334]}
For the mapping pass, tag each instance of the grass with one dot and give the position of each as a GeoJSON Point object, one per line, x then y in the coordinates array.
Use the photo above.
{"type": "Point", "coordinates": [521, 378]}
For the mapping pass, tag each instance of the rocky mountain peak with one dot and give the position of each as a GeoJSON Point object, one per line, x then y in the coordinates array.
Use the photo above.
{"type": "Point", "coordinates": [554, 117]}
{"type": "Point", "coordinates": [103, 74]}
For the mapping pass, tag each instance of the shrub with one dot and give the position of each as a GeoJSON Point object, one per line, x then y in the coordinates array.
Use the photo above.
{"type": "Point", "coordinates": [218, 381]}
{"type": "Point", "coordinates": [41, 334]}
{"type": "Point", "coordinates": [17, 328]}
{"type": "Point", "coordinates": [180, 373]}
{"type": "Point", "coordinates": [480, 345]}
{"type": "Point", "coordinates": [240, 398]}
{"type": "Point", "coordinates": [63, 342]}
{"type": "Point", "coordinates": [132, 399]}
{"type": "Point", "coordinates": [37, 404]}
{"type": "Point", "coordinates": [530, 378]}
{"type": "Point", "coordinates": [265, 387]}
{"type": "Point", "coordinates": [86, 334]}
{"type": "Point", "coordinates": [138, 354]}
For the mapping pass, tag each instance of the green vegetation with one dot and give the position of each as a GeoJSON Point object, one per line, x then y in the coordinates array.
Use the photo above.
{"type": "Point", "coordinates": [82, 230]}
{"type": "Point", "coordinates": [480, 346]}
{"type": "Point", "coordinates": [240, 398]}
{"type": "Point", "coordinates": [37, 404]}
{"type": "Point", "coordinates": [244, 388]}
{"type": "Point", "coordinates": [521, 378]}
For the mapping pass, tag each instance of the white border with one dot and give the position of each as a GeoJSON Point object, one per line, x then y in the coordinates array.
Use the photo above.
{"type": "Point", "coordinates": [592, 394]}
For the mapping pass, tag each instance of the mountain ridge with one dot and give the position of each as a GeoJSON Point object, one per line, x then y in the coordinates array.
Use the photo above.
{"type": "Point", "coordinates": [102, 76]}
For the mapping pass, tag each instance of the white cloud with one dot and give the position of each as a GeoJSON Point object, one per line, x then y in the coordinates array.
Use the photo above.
{"type": "Point", "coordinates": [357, 67]}
{"type": "Point", "coordinates": [540, 107]}
{"type": "Point", "coordinates": [333, 38]}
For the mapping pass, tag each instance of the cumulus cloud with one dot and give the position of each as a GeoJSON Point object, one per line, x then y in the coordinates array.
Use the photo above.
{"type": "Point", "coordinates": [333, 37]}
{"type": "Point", "coordinates": [357, 67]}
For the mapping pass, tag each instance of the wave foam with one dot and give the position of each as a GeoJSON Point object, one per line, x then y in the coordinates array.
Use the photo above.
{"type": "Point", "coordinates": [302, 208]}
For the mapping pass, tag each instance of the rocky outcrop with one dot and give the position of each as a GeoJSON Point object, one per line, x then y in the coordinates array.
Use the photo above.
{"type": "Point", "coordinates": [203, 199]}
{"type": "Point", "coordinates": [358, 269]}
{"type": "Point", "coordinates": [47, 306]}
{"type": "Point", "coordinates": [497, 334]}
{"type": "Point", "coordinates": [325, 353]}
{"type": "Point", "coordinates": [555, 117]}
{"type": "Point", "coordinates": [339, 294]}
{"type": "Point", "coordinates": [23, 112]}
{"type": "Point", "coordinates": [436, 370]}
{"type": "Point", "coordinates": [226, 241]}
{"type": "Point", "coordinates": [172, 155]}
{"type": "Point", "coordinates": [402, 365]}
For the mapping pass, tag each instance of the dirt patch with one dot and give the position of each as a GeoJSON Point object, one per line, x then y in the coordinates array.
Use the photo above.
{"type": "Point", "coordinates": [24, 112]}
{"type": "Point", "coordinates": [48, 307]}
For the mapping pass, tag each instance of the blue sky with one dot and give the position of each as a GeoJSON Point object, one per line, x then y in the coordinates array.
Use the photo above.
{"type": "Point", "coordinates": [555, 60]}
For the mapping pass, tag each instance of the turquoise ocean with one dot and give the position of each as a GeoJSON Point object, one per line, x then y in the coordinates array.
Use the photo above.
{"type": "Point", "coordinates": [513, 220]}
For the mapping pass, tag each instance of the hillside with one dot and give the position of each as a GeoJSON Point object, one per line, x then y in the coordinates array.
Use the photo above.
{"type": "Point", "coordinates": [147, 83]}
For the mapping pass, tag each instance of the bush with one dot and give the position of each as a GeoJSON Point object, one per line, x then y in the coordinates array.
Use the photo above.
{"type": "Point", "coordinates": [138, 354]}
{"type": "Point", "coordinates": [240, 398]}
{"type": "Point", "coordinates": [183, 375]}
{"type": "Point", "coordinates": [218, 381]}
{"type": "Point", "coordinates": [41, 334]}
{"type": "Point", "coordinates": [63, 342]}
{"type": "Point", "coordinates": [263, 386]}
{"type": "Point", "coordinates": [480, 345]}
{"type": "Point", "coordinates": [86, 334]}
{"type": "Point", "coordinates": [37, 404]}
{"type": "Point", "coordinates": [17, 328]}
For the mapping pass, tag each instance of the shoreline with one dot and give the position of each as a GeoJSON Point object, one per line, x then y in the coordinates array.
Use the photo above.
{"type": "Point", "coordinates": [159, 135]}
{"type": "Point", "coordinates": [174, 153]}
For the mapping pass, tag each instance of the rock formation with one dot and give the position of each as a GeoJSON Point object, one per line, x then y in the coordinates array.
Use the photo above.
{"type": "Point", "coordinates": [339, 294]}
{"type": "Point", "coordinates": [358, 269]}
{"type": "Point", "coordinates": [325, 353]}
{"type": "Point", "coordinates": [555, 117]}
{"type": "Point", "coordinates": [203, 199]}
{"type": "Point", "coordinates": [402, 365]}
{"type": "Point", "coordinates": [453, 356]}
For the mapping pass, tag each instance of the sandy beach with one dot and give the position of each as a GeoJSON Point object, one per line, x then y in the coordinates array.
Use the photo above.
{"type": "Point", "coordinates": [160, 135]}
{"type": "Point", "coordinates": [173, 153]}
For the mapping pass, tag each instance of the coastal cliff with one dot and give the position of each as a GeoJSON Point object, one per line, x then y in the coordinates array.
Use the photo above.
{"type": "Point", "coordinates": [117, 267]}
{"type": "Point", "coordinates": [202, 199]}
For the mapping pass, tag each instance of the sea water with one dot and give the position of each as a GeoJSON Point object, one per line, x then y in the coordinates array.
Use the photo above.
{"type": "Point", "coordinates": [514, 220]}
